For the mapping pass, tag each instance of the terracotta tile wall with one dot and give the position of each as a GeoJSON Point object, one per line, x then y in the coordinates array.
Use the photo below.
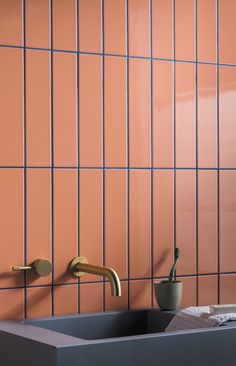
{"type": "Point", "coordinates": [118, 143]}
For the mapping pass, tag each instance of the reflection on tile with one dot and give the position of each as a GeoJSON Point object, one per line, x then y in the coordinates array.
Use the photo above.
{"type": "Point", "coordinates": [207, 222]}
{"type": "Point", "coordinates": [91, 297]}
{"type": "Point", "coordinates": [163, 125]}
{"type": "Point", "coordinates": [227, 27]}
{"type": "Point", "coordinates": [162, 28]}
{"type": "Point", "coordinates": [207, 122]}
{"type": "Point", "coordinates": [207, 290]}
{"type": "Point", "coordinates": [140, 294]}
{"type": "Point", "coordinates": [37, 16]}
{"type": "Point", "coordinates": [227, 221]}
{"type": "Point", "coordinates": [189, 292]}
{"type": "Point", "coordinates": [65, 300]}
{"type": "Point", "coordinates": [206, 28]}
{"type": "Point", "coordinates": [115, 26]}
{"type": "Point", "coordinates": [90, 25]}
{"type": "Point", "coordinates": [184, 29]}
{"type": "Point", "coordinates": [139, 33]}
{"type": "Point", "coordinates": [11, 22]}
{"type": "Point", "coordinates": [39, 302]}
{"type": "Point", "coordinates": [64, 24]}
{"type": "Point", "coordinates": [227, 116]}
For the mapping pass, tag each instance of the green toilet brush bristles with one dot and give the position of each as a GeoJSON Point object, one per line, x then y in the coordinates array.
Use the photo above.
{"type": "Point", "coordinates": [172, 271]}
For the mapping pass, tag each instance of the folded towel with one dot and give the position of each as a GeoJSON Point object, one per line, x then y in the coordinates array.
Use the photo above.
{"type": "Point", "coordinates": [197, 317]}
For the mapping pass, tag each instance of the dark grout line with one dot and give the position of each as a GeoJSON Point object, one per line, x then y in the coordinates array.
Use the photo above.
{"type": "Point", "coordinates": [151, 155]}
{"type": "Point", "coordinates": [116, 168]}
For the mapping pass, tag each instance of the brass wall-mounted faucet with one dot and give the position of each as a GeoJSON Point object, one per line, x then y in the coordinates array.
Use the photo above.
{"type": "Point", "coordinates": [41, 267]}
{"type": "Point", "coordinates": [79, 266]}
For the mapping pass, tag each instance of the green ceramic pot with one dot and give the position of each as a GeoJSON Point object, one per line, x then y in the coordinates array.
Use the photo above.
{"type": "Point", "coordinates": [168, 294]}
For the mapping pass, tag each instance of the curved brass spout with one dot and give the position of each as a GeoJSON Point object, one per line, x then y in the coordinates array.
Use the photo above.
{"type": "Point", "coordinates": [79, 266]}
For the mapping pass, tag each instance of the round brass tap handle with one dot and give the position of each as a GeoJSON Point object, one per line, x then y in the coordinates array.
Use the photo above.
{"type": "Point", "coordinates": [41, 267]}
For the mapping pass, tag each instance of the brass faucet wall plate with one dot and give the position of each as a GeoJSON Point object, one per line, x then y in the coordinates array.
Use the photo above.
{"type": "Point", "coordinates": [74, 264]}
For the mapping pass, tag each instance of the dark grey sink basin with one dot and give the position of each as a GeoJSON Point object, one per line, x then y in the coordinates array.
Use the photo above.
{"type": "Point", "coordinates": [108, 325]}
{"type": "Point", "coordinates": [127, 338]}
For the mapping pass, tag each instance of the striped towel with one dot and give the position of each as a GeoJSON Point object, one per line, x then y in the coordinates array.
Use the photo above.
{"type": "Point", "coordinates": [196, 318]}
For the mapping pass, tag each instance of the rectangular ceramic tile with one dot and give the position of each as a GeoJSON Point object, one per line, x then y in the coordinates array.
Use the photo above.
{"type": "Point", "coordinates": [206, 30]}
{"type": "Point", "coordinates": [65, 300]}
{"type": "Point", "coordinates": [90, 25]}
{"type": "Point", "coordinates": [162, 114]}
{"type": "Point", "coordinates": [65, 223]}
{"type": "Point", "coordinates": [163, 220]}
{"type": "Point", "coordinates": [37, 23]}
{"type": "Point", "coordinates": [140, 294]}
{"type": "Point", "coordinates": [12, 305]}
{"type": "Point", "coordinates": [115, 26]}
{"type": "Point", "coordinates": [140, 225]}
{"type": "Point", "coordinates": [90, 114]}
{"type": "Point", "coordinates": [186, 220]}
{"type": "Point", "coordinates": [38, 108]}
{"type": "Point", "coordinates": [189, 292]}
{"type": "Point", "coordinates": [91, 231]}
{"type": "Point", "coordinates": [116, 221]}
{"type": "Point", "coordinates": [38, 183]}
{"type": "Point", "coordinates": [207, 122]}
{"type": "Point", "coordinates": [162, 28]}
{"type": "Point", "coordinates": [184, 29]}
{"type": "Point", "coordinates": [64, 24]}
{"type": "Point", "coordinates": [227, 117]}
{"type": "Point", "coordinates": [227, 27]}
{"type": "Point", "coordinates": [185, 116]}
{"type": "Point", "coordinates": [91, 297]}
{"type": "Point", "coordinates": [115, 112]}
{"type": "Point", "coordinates": [64, 109]}
{"type": "Point", "coordinates": [139, 28]}
{"type": "Point", "coordinates": [227, 289]}
{"type": "Point", "coordinates": [207, 221]}
{"type": "Point", "coordinates": [227, 221]}
{"type": "Point", "coordinates": [12, 221]}
{"type": "Point", "coordinates": [207, 290]}
{"type": "Point", "coordinates": [39, 302]}
{"type": "Point", "coordinates": [116, 303]}
{"type": "Point", "coordinates": [11, 22]}
{"type": "Point", "coordinates": [11, 107]}
{"type": "Point", "coordinates": [139, 112]}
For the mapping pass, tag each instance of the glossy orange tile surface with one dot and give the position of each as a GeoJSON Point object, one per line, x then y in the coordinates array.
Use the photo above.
{"type": "Point", "coordinates": [207, 116]}
{"type": "Point", "coordinates": [206, 30]}
{"type": "Point", "coordinates": [184, 29]}
{"type": "Point", "coordinates": [91, 297]}
{"type": "Point", "coordinates": [227, 116]}
{"type": "Point", "coordinates": [227, 27]}
{"type": "Point", "coordinates": [185, 116]}
{"type": "Point", "coordinates": [11, 107]}
{"type": "Point", "coordinates": [38, 211]}
{"type": "Point", "coordinates": [90, 240]}
{"type": "Point", "coordinates": [162, 28]}
{"type": "Point", "coordinates": [116, 303]}
{"type": "Point", "coordinates": [115, 26]}
{"type": "Point", "coordinates": [139, 217]}
{"type": "Point", "coordinates": [207, 289]}
{"type": "Point", "coordinates": [116, 221]}
{"type": "Point", "coordinates": [65, 223]}
{"type": "Point", "coordinates": [64, 110]}
{"type": "Point", "coordinates": [37, 17]}
{"type": "Point", "coordinates": [90, 25]}
{"type": "Point", "coordinates": [90, 92]}
{"type": "Point", "coordinates": [11, 22]}
{"type": "Point", "coordinates": [39, 302]}
{"type": "Point", "coordinates": [115, 112]}
{"type": "Point", "coordinates": [186, 220]}
{"type": "Point", "coordinates": [189, 292]}
{"type": "Point", "coordinates": [64, 24]}
{"type": "Point", "coordinates": [163, 221]}
{"type": "Point", "coordinates": [227, 293]}
{"type": "Point", "coordinates": [12, 304]}
{"type": "Point", "coordinates": [65, 300]}
{"type": "Point", "coordinates": [11, 222]}
{"type": "Point", "coordinates": [207, 221]}
{"type": "Point", "coordinates": [227, 221]}
{"type": "Point", "coordinates": [163, 124]}
{"type": "Point", "coordinates": [140, 294]}
{"type": "Point", "coordinates": [139, 28]}
{"type": "Point", "coordinates": [139, 112]}
{"type": "Point", "coordinates": [38, 108]}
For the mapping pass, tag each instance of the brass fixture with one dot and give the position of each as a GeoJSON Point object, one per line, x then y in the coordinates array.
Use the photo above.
{"type": "Point", "coordinates": [41, 267]}
{"type": "Point", "coordinates": [79, 266]}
